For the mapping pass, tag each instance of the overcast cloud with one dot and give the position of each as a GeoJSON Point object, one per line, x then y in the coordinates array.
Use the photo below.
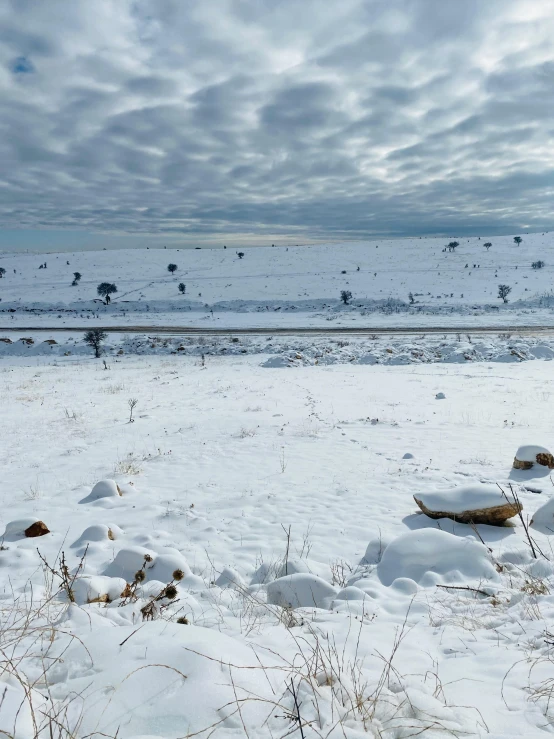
{"type": "Point", "coordinates": [319, 119]}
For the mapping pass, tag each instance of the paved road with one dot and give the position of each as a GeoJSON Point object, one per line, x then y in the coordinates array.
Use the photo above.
{"type": "Point", "coordinates": [292, 331]}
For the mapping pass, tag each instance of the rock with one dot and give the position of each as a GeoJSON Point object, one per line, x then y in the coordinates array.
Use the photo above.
{"type": "Point", "coordinates": [408, 455]}
{"type": "Point", "coordinates": [38, 528]}
{"type": "Point", "coordinates": [527, 456]}
{"type": "Point", "coordinates": [5, 340]}
{"type": "Point", "coordinates": [50, 341]}
{"type": "Point", "coordinates": [27, 340]}
{"type": "Point", "coordinates": [469, 504]}
{"type": "Point", "coordinates": [440, 396]}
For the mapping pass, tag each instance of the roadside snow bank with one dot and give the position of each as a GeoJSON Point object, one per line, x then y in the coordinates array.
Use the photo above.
{"type": "Point", "coordinates": [295, 351]}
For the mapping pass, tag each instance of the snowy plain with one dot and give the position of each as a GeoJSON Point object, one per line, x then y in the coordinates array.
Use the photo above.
{"type": "Point", "coordinates": [271, 484]}
{"type": "Point", "coordinates": [289, 286]}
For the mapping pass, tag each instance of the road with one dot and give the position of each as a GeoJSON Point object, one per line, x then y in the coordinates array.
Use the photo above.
{"type": "Point", "coordinates": [291, 331]}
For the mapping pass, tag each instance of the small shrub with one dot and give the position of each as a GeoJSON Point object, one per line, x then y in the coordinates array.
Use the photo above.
{"type": "Point", "coordinates": [182, 288]}
{"type": "Point", "coordinates": [240, 254]}
{"type": "Point", "coordinates": [504, 291]}
{"type": "Point", "coordinates": [2, 272]}
{"type": "Point", "coordinates": [538, 264]}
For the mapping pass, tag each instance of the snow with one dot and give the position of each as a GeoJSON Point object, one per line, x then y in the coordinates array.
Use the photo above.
{"type": "Point", "coordinates": [264, 495]}
{"type": "Point", "coordinates": [463, 498]}
{"type": "Point", "coordinates": [300, 590]}
{"type": "Point", "coordinates": [543, 517]}
{"type": "Point", "coordinates": [417, 554]}
{"type": "Point", "coordinates": [298, 285]}
{"type": "Point", "coordinates": [528, 452]}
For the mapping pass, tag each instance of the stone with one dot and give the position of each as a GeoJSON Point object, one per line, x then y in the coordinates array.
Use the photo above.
{"type": "Point", "coordinates": [469, 504]}
{"type": "Point", "coordinates": [527, 456]}
{"type": "Point", "coordinates": [38, 528]}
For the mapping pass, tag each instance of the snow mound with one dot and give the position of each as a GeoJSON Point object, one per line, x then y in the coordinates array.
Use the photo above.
{"type": "Point", "coordinates": [16, 529]}
{"type": "Point", "coordinates": [543, 518]}
{"type": "Point", "coordinates": [417, 554]}
{"type": "Point", "coordinates": [463, 498]}
{"type": "Point", "coordinates": [97, 589]}
{"type": "Point", "coordinates": [103, 489]}
{"type": "Point", "coordinates": [375, 549]}
{"type": "Point", "coordinates": [229, 578]}
{"type": "Point", "coordinates": [301, 590]}
{"type": "Point", "coordinates": [528, 452]}
{"type": "Point", "coordinates": [98, 532]}
{"type": "Point", "coordinates": [164, 567]}
{"type": "Point", "coordinates": [351, 593]}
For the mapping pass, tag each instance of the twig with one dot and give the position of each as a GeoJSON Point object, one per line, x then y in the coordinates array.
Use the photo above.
{"type": "Point", "coordinates": [464, 587]}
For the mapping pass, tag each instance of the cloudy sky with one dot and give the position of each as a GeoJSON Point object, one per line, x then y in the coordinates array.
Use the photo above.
{"type": "Point", "coordinates": [176, 121]}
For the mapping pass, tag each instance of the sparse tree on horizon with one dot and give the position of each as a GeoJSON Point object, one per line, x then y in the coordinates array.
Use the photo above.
{"type": "Point", "coordinates": [76, 278]}
{"type": "Point", "coordinates": [171, 268]}
{"type": "Point", "coordinates": [182, 288]}
{"type": "Point", "coordinates": [453, 245]}
{"type": "Point", "coordinates": [487, 245]}
{"type": "Point", "coordinates": [345, 296]}
{"type": "Point", "coordinates": [517, 240]}
{"type": "Point", "coordinates": [240, 254]}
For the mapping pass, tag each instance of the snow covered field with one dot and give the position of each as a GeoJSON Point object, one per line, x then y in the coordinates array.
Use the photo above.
{"type": "Point", "coordinates": [310, 596]}
{"type": "Point", "coordinates": [295, 286]}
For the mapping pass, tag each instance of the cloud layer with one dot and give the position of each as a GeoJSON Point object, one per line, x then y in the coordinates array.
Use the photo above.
{"type": "Point", "coordinates": [357, 118]}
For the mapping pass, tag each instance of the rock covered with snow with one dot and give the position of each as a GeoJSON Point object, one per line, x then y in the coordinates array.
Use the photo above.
{"type": "Point", "coordinates": [163, 567]}
{"type": "Point", "coordinates": [25, 528]}
{"type": "Point", "coordinates": [301, 590]}
{"type": "Point", "coordinates": [103, 489]}
{"type": "Point", "coordinates": [440, 396]}
{"type": "Point", "coordinates": [530, 454]}
{"type": "Point", "coordinates": [543, 518]}
{"type": "Point", "coordinates": [478, 503]}
{"type": "Point", "coordinates": [428, 555]}
{"type": "Point", "coordinates": [97, 589]}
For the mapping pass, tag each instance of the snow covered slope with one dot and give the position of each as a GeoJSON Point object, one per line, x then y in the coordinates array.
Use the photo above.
{"type": "Point", "coordinates": [307, 277]}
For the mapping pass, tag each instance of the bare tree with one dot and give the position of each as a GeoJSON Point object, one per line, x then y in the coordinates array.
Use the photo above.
{"type": "Point", "coordinates": [504, 291]}
{"type": "Point", "coordinates": [94, 339]}
{"type": "Point", "coordinates": [132, 402]}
